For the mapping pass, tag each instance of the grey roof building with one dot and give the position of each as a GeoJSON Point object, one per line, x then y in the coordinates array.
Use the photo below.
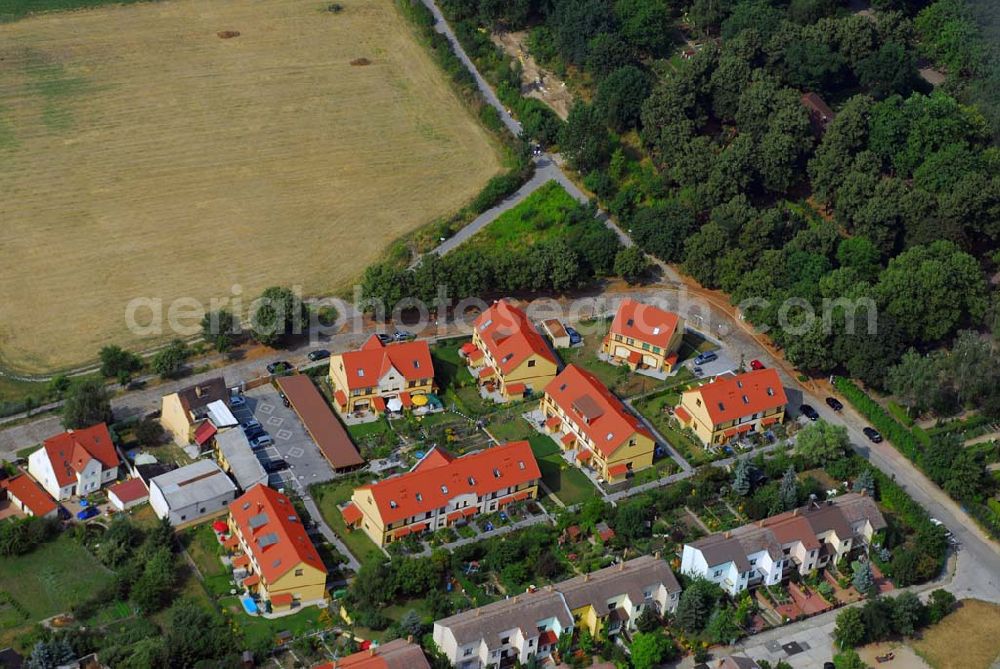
{"type": "Point", "coordinates": [190, 494]}
{"type": "Point", "coordinates": [237, 457]}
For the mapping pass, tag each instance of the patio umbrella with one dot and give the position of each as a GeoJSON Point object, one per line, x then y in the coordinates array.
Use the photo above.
{"type": "Point", "coordinates": [395, 404]}
{"type": "Point", "coordinates": [419, 400]}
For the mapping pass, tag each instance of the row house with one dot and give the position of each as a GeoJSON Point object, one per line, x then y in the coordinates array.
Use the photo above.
{"type": "Point", "coordinates": [508, 354]}
{"type": "Point", "coordinates": [380, 377]}
{"type": "Point", "coordinates": [530, 624]}
{"type": "Point", "coordinates": [586, 418]}
{"type": "Point", "coordinates": [644, 337]}
{"type": "Point", "coordinates": [442, 490]}
{"type": "Point", "coordinates": [768, 551]}
{"type": "Point", "coordinates": [733, 406]}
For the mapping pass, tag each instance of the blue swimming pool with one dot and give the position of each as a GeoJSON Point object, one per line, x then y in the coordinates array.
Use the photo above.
{"type": "Point", "coordinates": [249, 605]}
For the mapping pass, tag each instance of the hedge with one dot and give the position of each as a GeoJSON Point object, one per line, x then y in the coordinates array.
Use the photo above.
{"type": "Point", "coordinates": [891, 429]}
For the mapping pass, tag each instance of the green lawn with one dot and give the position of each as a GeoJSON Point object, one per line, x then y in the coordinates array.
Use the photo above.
{"type": "Point", "coordinates": [256, 627]}
{"type": "Point", "coordinates": [566, 482]}
{"type": "Point", "coordinates": [52, 578]}
{"type": "Point", "coordinates": [328, 496]}
{"type": "Point", "coordinates": [540, 216]}
{"type": "Point", "coordinates": [205, 550]}
{"type": "Point", "coordinates": [364, 431]}
{"type": "Point", "coordinates": [455, 384]}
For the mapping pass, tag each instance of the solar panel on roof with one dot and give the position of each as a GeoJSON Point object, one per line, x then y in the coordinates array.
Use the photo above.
{"type": "Point", "coordinates": [257, 521]}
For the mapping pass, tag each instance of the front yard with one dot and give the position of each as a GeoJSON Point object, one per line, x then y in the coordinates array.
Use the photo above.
{"type": "Point", "coordinates": [455, 384]}
{"type": "Point", "coordinates": [328, 496]}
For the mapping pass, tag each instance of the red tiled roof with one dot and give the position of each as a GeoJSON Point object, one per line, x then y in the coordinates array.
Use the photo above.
{"type": "Point", "coordinates": [553, 421]}
{"type": "Point", "coordinates": [516, 389]}
{"type": "Point", "coordinates": [467, 348]}
{"type": "Point", "coordinates": [598, 413]}
{"type": "Point", "coordinates": [568, 438]}
{"type": "Point", "coordinates": [275, 534]}
{"type": "Point", "coordinates": [584, 455]}
{"type": "Point", "coordinates": [672, 359]}
{"type": "Point", "coordinates": [470, 511]}
{"type": "Point", "coordinates": [70, 451]}
{"type": "Point", "coordinates": [341, 398]}
{"type": "Point", "coordinates": [130, 491]}
{"type": "Point", "coordinates": [379, 403]}
{"type": "Point", "coordinates": [475, 355]}
{"type": "Point", "coordinates": [241, 561]}
{"type": "Point", "coordinates": [487, 372]}
{"type": "Point", "coordinates": [406, 400]}
{"type": "Point", "coordinates": [351, 513]}
{"type": "Point", "coordinates": [396, 654]}
{"type": "Point", "coordinates": [252, 579]}
{"type": "Point", "coordinates": [769, 420]}
{"type": "Point", "coordinates": [204, 432]}
{"type": "Point", "coordinates": [364, 368]}
{"type": "Point", "coordinates": [644, 323]}
{"type": "Point", "coordinates": [30, 494]}
{"type": "Point", "coordinates": [735, 397]}
{"type": "Point", "coordinates": [510, 337]}
{"type": "Point", "coordinates": [521, 496]}
{"type": "Point", "coordinates": [618, 470]}
{"type": "Point", "coordinates": [231, 542]}
{"type": "Point", "coordinates": [682, 414]}
{"type": "Point", "coordinates": [323, 426]}
{"type": "Point", "coordinates": [282, 599]}
{"type": "Point", "coordinates": [434, 458]}
{"type": "Point", "coordinates": [397, 498]}
{"type": "Point", "coordinates": [634, 357]}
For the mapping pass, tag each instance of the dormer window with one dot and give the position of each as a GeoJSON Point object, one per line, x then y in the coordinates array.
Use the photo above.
{"type": "Point", "coordinates": [610, 436]}
{"type": "Point", "coordinates": [486, 324]}
{"type": "Point", "coordinates": [562, 387]}
{"type": "Point", "coordinates": [739, 384]}
{"type": "Point", "coordinates": [416, 364]}
{"type": "Point", "coordinates": [520, 464]}
{"type": "Point", "coordinates": [444, 489]}
{"type": "Point", "coordinates": [722, 407]}
{"type": "Point", "coordinates": [656, 331]}
{"type": "Point", "coordinates": [361, 372]}
{"type": "Point", "coordinates": [419, 497]}
{"type": "Point", "coordinates": [392, 504]}
{"type": "Point", "coordinates": [630, 322]}
{"type": "Point", "coordinates": [472, 480]}
{"type": "Point", "coordinates": [746, 400]}
{"type": "Point", "coordinates": [496, 473]}
{"type": "Point", "coordinates": [770, 391]}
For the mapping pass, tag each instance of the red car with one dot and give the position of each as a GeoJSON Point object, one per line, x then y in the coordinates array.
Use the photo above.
{"type": "Point", "coordinates": [756, 364]}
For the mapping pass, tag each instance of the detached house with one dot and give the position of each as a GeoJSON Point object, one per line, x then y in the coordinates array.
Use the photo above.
{"type": "Point", "coordinates": [442, 490]}
{"type": "Point", "coordinates": [644, 337]}
{"type": "Point", "coordinates": [76, 462]}
{"type": "Point", "coordinates": [195, 413]}
{"type": "Point", "coordinates": [585, 417]}
{"type": "Point", "coordinates": [278, 562]}
{"type": "Point", "coordinates": [507, 354]}
{"type": "Point", "coordinates": [733, 405]}
{"type": "Point", "coordinates": [768, 551]}
{"type": "Point", "coordinates": [28, 497]}
{"type": "Point", "coordinates": [381, 376]}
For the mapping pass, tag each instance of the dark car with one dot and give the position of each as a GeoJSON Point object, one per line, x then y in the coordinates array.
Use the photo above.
{"type": "Point", "coordinates": [403, 335]}
{"type": "Point", "coordinates": [708, 356]}
{"type": "Point", "coordinates": [318, 354]}
{"type": "Point", "coordinates": [808, 412]}
{"type": "Point", "coordinates": [873, 435]}
{"type": "Point", "coordinates": [89, 512]}
{"type": "Point", "coordinates": [278, 367]}
{"type": "Point", "coordinates": [574, 336]}
{"type": "Point", "coordinates": [272, 466]}
{"type": "Point", "coordinates": [384, 338]}
{"type": "Point", "coordinates": [834, 403]}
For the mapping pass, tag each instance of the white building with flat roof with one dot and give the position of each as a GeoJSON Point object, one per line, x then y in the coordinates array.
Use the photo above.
{"type": "Point", "coordinates": [192, 493]}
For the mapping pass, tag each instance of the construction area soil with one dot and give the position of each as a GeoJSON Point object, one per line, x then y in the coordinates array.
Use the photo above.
{"type": "Point", "coordinates": [178, 148]}
{"type": "Point", "coordinates": [536, 82]}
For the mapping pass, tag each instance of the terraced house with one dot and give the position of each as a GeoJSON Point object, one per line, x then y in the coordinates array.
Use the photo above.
{"type": "Point", "coordinates": [770, 550]}
{"type": "Point", "coordinates": [277, 561]}
{"type": "Point", "coordinates": [507, 354]}
{"type": "Point", "coordinates": [587, 419]}
{"type": "Point", "coordinates": [731, 406]}
{"type": "Point", "coordinates": [442, 490]}
{"type": "Point", "coordinates": [530, 624]}
{"type": "Point", "coordinates": [76, 462]}
{"type": "Point", "coordinates": [644, 337]}
{"type": "Point", "coordinates": [380, 377]}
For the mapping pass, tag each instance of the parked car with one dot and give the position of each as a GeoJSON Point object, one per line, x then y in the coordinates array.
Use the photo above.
{"type": "Point", "coordinates": [272, 466]}
{"type": "Point", "coordinates": [756, 364]}
{"type": "Point", "coordinates": [236, 400]}
{"type": "Point", "coordinates": [873, 435]}
{"type": "Point", "coordinates": [834, 403]}
{"type": "Point", "coordinates": [254, 435]}
{"type": "Point", "coordinates": [318, 354]}
{"type": "Point", "coordinates": [574, 336]}
{"type": "Point", "coordinates": [262, 441]}
{"type": "Point", "coordinates": [403, 335]}
{"type": "Point", "coordinates": [698, 371]}
{"type": "Point", "coordinates": [383, 337]}
{"type": "Point", "coordinates": [707, 356]}
{"type": "Point", "coordinates": [279, 367]}
{"type": "Point", "coordinates": [251, 424]}
{"type": "Point", "coordinates": [89, 512]}
{"type": "Point", "coordinates": [810, 413]}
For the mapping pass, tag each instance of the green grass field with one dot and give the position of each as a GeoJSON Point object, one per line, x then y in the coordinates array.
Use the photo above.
{"type": "Point", "coordinates": [205, 550]}
{"type": "Point", "coordinates": [454, 382]}
{"type": "Point", "coordinates": [52, 578]}
{"type": "Point", "coordinates": [328, 497]}
{"type": "Point", "coordinates": [567, 483]}
{"type": "Point", "coordinates": [539, 217]}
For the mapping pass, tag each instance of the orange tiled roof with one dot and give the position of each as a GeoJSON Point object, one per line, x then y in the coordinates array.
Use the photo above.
{"type": "Point", "coordinates": [31, 495]}
{"type": "Point", "coordinates": [70, 451]}
{"type": "Point", "coordinates": [424, 489]}
{"type": "Point", "coordinates": [590, 405]}
{"type": "Point", "coordinates": [275, 534]}
{"type": "Point", "coordinates": [644, 323]}
{"type": "Point", "coordinates": [351, 513]}
{"type": "Point", "coordinates": [396, 654]}
{"type": "Point", "coordinates": [735, 397]}
{"type": "Point", "coordinates": [130, 491]}
{"type": "Point", "coordinates": [682, 414]}
{"type": "Point", "coordinates": [510, 337]}
{"type": "Point", "coordinates": [434, 458]}
{"type": "Point", "coordinates": [363, 368]}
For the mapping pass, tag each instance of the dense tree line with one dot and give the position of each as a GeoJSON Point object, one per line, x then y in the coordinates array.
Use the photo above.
{"type": "Point", "coordinates": [882, 618]}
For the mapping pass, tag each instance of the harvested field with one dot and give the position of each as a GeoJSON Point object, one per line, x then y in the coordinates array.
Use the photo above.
{"type": "Point", "coordinates": [969, 638]}
{"type": "Point", "coordinates": [146, 151]}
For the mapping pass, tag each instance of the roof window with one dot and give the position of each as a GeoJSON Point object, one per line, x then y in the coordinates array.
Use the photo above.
{"type": "Point", "coordinates": [361, 372]}
{"type": "Point", "coordinates": [444, 489]}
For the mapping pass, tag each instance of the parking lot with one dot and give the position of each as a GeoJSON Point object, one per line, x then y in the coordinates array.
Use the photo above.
{"type": "Point", "coordinates": [721, 365]}
{"type": "Point", "coordinates": [306, 465]}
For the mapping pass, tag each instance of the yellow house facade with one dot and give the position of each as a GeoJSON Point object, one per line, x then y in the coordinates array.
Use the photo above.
{"type": "Point", "coordinates": [507, 353]}
{"type": "Point", "coordinates": [442, 490]}
{"type": "Point", "coordinates": [368, 379]}
{"type": "Point", "coordinates": [733, 406]}
{"type": "Point", "coordinates": [582, 415]}
{"type": "Point", "coordinates": [277, 561]}
{"type": "Point", "coordinates": [181, 411]}
{"type": "Point", "coordinates": [644, 337]}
